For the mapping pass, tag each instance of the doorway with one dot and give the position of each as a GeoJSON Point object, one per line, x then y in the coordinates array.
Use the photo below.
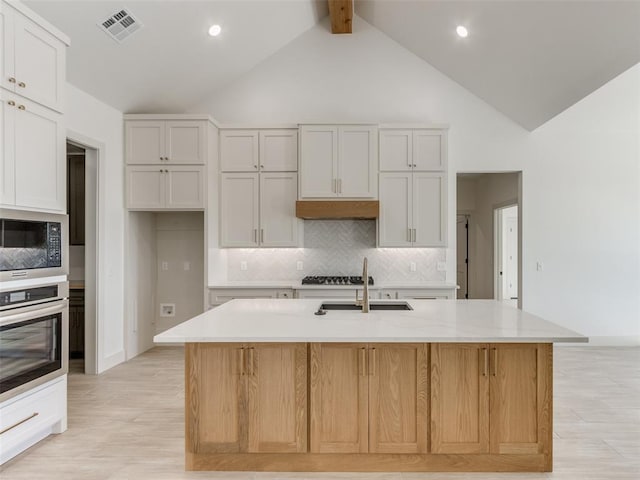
{"type": "Point", "coordinates": [487, 204]}
{"type": "Point", "coordinates": [82, 208]}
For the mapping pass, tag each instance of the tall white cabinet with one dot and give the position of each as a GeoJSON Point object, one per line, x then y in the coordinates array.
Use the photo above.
{"type": "Point", "coordinates": [258, 188]}
{"type": "Point", "coordinates": [166, 158]}
{"type": "Point", "coordinates": [413, 182]}
{"type": "Point", "coordinates": [32, 64]}
{"type": "Point", "coordinates": [338, 161]}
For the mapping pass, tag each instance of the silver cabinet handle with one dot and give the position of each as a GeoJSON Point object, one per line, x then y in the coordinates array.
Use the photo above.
{"type": "Point", "coordinates": [4, 430]}
{"type": "Point", "coordinates": [261, 166]}
{"type": "Point", "coordinates": [339, 185]}
{"type": "Point", "coordinates": [22, 84]}
{"type": "Point", "coordinates": [12, 80]}
{"type": "Point", "coordinates": [255, 235]}
{"type": "Point", "coordinates": [408, 234]}
{"type": "Point", "coordinates": [334, 185]}
{"type": "Point", "coordinates": [262, 235]}
{"type": "Point", "coordinates": [11, 103]}
{"type": "Point", "coordinates": [485, 353]}
{"type": "Point", "coordinates": [414, 235]}
{"type": "Point", "coordinates": [255, 166]}
{"type": "Point", "coordinates": [241, 361]}
{"type": "Point", "coordinates": [21, 107]}
{"type": "Point", "coordinates": [363, 360]}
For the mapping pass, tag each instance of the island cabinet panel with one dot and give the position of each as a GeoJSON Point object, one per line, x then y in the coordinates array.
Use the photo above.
{"type": "Point", "coordinates": [215, 390]}
{"type": "Point", "coordinates": [459, 398]}
{"type": "Point", "coordinates": [277, 376]}
{"type": "Point", "coordinates": [398, 398]}
{"type": "Point", "coordinates": [246, 398]}
{"type": "Point", "coordinates": [369, 398]}
{"type": "Point", "coordinates": [491, 398]}
{"type": "Point", "coordinates": [339, 398]}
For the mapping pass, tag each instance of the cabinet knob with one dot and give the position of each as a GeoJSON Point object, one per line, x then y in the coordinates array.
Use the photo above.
{"type": "Point", "coordinates": [11, 103]}
{"type": "Point", "coordinates": [255, 166]}
{"type": "Point", "coordinates": [261, 166]}
{"type": "Point", "coordinates": [22, 84]}
{"type": "Point", "coordinates": [12, 80]}
{"type": "Point", "coordinates": [21, 107]}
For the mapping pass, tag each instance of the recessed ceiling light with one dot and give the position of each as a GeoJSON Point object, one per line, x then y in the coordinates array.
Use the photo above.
{"type": "Point", "coordinates": [215, 30]}
{"type": "Point", "coordinates": [462, 31]}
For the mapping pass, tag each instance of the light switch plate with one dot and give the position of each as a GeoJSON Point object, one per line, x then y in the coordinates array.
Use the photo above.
{"type": "Point", "coordinates": [412, 266]}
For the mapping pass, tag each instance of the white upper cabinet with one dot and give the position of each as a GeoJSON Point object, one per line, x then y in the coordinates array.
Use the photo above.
{"type": "Point", "coordinates": [33, 60]}
{"type": "Point", "coordinates": [258, 210]}
{"type": "Point", "coordinates": [338, 161]}
{"type": "Point", "coordinates": [165, 187]}
{"type": "Point", "coordinates": [269, 150]}
{"type": "Point", "coordinates": [165, 142]}
{"type": "Point", "coordinates": [413, 150]}
{"type": "Point", "coordinates": [412, 210]}
{"type": "Point", "coordinates": [33, 172]}
{"type": "Point", "coordinates": [239, 150]}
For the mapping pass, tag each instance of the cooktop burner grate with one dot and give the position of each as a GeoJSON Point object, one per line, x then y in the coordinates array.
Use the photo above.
{"type": "Point", "coordinates": [334, 280]}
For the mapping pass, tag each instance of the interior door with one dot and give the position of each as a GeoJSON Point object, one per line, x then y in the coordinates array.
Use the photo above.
{"type": "Point", "coordinates": [462, 255]}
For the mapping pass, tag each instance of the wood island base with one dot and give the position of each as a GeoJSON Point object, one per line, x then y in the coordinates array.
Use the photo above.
{"type": "Point", "coordinates": [369, 407]}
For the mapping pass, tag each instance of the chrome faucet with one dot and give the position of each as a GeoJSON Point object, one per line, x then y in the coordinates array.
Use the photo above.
{"type": "Point", "coordinates": [364, 303]}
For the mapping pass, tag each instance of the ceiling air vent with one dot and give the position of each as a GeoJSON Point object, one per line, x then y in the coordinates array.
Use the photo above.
{"type": "Point", "coordinates": [120, 25]}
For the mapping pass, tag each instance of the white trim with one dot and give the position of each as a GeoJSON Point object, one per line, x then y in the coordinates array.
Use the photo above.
{"type": "Point", "coordinates": [414, 126]}
{"type": "Point", "coordinates": [169, 116]}
{"type": "Point", "coordinates": [34, 17]}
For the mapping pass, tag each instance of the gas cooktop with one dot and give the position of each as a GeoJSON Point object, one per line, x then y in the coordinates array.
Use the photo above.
{"type": "Point", "coordinates": [334, 280]}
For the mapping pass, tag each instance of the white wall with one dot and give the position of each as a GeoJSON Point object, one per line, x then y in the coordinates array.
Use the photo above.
{"type": "Point", "coordinates": [581, 212]}
{"type": "Point", "coordinates": [87, 116]}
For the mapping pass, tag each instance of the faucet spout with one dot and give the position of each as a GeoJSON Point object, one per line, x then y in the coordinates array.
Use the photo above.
{"type": "Point", "coordinates": [365, 290]}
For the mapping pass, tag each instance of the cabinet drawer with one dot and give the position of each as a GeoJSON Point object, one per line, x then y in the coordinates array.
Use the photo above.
{"type": "Point", "coordinates": [417, 294]}
{"type": "Point", "coordinates": [220, 296]}
{"type": "Point", "coordinates": [30, 416]}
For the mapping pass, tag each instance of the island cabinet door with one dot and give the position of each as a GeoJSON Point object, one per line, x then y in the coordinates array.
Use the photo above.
{"type": "Point", "coordinates": [277, 400]}
{"type": "Point", "coordinates": [215, 392]}
{"type": "Point", "coordinates": [339, 398]}
{"type": "Point", "coordinates": [521, 396]}
{"type": "Point", "coordinates": [398, 397]}
{"type": "Point", "coordinates": [459, 398]}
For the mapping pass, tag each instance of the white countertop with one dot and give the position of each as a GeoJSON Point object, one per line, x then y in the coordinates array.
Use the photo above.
{"type": "Point", "coordinates": [284, 320]}
{"type": "Point", "coordinates": [296, 285]}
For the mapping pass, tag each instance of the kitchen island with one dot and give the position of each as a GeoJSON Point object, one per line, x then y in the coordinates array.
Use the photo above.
{"type": "Point", "coordinates": [447, 386]}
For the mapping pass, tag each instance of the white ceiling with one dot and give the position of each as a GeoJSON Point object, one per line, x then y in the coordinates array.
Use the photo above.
{"type": "Point", "coordinates": [529, 59]}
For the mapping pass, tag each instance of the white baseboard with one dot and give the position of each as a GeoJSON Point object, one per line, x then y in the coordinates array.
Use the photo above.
{"type": "Point", "coordinates": [606, 341]}
{"type": "Point", "coordinates": [110, 361]}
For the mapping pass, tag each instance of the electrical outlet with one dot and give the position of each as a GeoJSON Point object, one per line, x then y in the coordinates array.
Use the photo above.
{"type": "Point", "coordinates": [243, 265]}
{"type": "Point", "coordinates": [167, 309]}
{"type": "Point", "coordinates": [165, 266]}
{"type": "Point", "coordinates": [186, 266]}
{"type": "Point", "coordinates": [299, 265]}
{"type": "Point", "coordinates": [441, 266]}
{"type": "Point", "coordinates": [412, 266]}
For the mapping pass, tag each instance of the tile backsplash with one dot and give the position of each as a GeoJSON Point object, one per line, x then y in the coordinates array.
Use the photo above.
{"type": "Point", "coordinates": [336, 247]}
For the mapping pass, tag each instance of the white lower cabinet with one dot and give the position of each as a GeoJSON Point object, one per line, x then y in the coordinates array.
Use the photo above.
{"type": "Point", "coordinates": [417, 293]}
{"type": "Point", "coordinates": [31, 416]}
{"type": "Point", "coordinates": [165, 187]}
{"type": "Point", "coordinates": [218, 296]}
{"type": "Point", "coordinates": [258, 210]}
{"type": "Point", "coordinates": [412, 210]}
{"type": "Point", "coordinates": [33, 172]}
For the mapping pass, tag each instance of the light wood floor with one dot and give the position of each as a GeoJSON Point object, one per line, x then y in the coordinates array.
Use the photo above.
{"type": "Point", "coordinates": [128, 424]}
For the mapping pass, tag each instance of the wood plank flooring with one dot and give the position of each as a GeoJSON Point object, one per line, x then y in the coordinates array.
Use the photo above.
{"type": "Point", "coordinates": [128, 424]}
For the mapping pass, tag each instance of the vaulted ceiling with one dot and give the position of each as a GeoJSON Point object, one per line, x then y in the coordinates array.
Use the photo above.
{"type": "Point", "coordinates": [528, 59]}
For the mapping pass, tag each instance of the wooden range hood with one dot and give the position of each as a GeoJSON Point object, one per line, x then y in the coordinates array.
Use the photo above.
{"type": "Point", "coordinates": [337, 209]}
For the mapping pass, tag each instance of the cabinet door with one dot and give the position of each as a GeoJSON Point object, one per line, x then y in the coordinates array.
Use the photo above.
{"type": "Point", "coordinates": [318, 161]}
{"type": "Point", "coordinates": [40, 166]}
{"type": "Point", "coordinates": [339, 398]}
{"type": "Point", "coordinates": [396, 210]}
{"type": "Point", "coordinates": [429, 150]}
{"type": "Point", "coordinates": [215, 390]}
{"type": "Point", "coordinates": [398, 398]}
{"type": "Point", "coordinates": [279, 150]}
{"type": "Point", "coordinates": [185, 187]}
{"type": "Point", "coordinates": [278, 222]}
{"type": "Point", "coordinates": [459, 398]}
{"type": "Point", "coordinates": [7, 48]}
{"type": "Point", "coordinates": [521, 392]}
{"type": "Point", "coordinates": [144, 142]}
{"type": "Point", "coordinates": [239, 210]}
{"type": "Point", "coordinates": [7, 150]}
{"type": "Point", "coordinates": [146, 187]}
{"type": "Point", "coordinates": [396, 148]}
{"type": "Point", "coordinates": [277, 376]}
{"type": "Point", "coordinates": [429, 209]}
{"type": "Point", "coordinates": [186, 142]}
{"type": "Point", "coordinates": [239, 150]}
{"type": "Point", "coordinates": [39, 64]}
{"type": "Point", "coordinates": [357, 169]}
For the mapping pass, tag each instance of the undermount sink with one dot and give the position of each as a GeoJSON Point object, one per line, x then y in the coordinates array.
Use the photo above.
{"type": "Point", "coordinates": [372, 306]}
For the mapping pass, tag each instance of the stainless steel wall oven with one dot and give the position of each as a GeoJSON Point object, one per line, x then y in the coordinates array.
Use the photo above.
{"type": "Point", "coordinates": [34, 330]}
{"type": "Point", "coordinates": [32, 245]}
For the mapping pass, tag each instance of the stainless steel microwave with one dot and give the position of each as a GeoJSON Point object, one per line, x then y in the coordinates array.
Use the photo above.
{"type": "Point", "coordinates": [32, 245]}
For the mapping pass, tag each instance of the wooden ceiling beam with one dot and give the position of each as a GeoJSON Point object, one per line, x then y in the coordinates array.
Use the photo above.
{"type": "Point", "coordinates": [341, 12]}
